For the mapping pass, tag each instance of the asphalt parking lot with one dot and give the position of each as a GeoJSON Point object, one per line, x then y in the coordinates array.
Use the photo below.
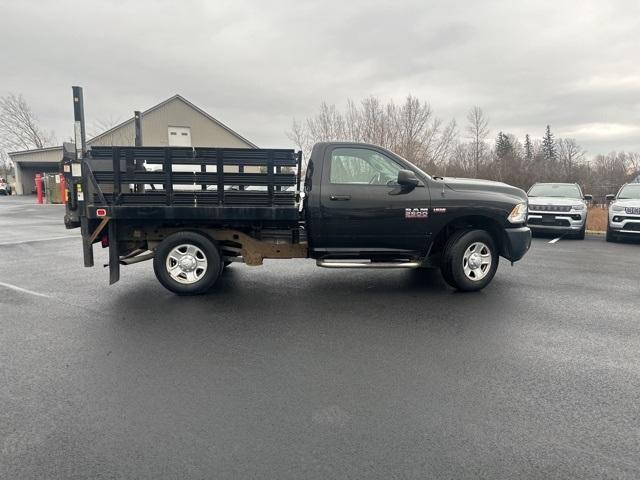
{"type": "Point", "coordinates": [289, 371]}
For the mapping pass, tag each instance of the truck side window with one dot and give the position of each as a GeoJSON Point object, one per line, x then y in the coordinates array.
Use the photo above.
{"type": "Point", "coordinates": [361, 166]}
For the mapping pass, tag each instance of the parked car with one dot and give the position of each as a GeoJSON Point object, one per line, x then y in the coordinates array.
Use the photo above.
{"type": "Point", "coordinates": [624, 213]}
{"type": "Point", "coordinates": [558, 208]}
{"type": "Point", "coordinates": [5, 188]}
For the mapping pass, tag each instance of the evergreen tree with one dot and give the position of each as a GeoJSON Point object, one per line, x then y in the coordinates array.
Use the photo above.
{"type": "Point", "coordinates": [503, 145]}
{"type": "Point", "coordinates": [549, 145]}
{"type": "Point", "coordinates": [528, 148]}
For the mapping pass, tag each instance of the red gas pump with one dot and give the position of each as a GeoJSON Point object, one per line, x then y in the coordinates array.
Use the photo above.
{"type": "Point", "coordinates": [39, 188]}
{"type": "Point", "coordinates": [63, 190]}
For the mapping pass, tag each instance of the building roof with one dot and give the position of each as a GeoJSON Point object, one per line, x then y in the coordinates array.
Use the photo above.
{"type": "Point", "coordinates": [146, 112]}
{"type": "Point", "coordinates": [45, 149]}
{"type": "Point", "coordinates": [162, 104]}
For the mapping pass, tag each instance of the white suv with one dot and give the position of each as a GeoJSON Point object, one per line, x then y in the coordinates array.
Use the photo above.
{"type": "Point", "coordinates": [624, 212]}
{"type": "Point", "coordinates": [558, 208]}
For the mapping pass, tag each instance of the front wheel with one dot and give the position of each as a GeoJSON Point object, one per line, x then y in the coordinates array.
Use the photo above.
{"type": "Point", "coordinates": [187, 263]}
{"type": "Point", "coordinates": [470, 260]}
{"type": "Point", "coordinates": [611, 237]}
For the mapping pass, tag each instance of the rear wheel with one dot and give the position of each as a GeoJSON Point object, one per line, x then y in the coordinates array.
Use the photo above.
{"type": "Point", "coordinates": [187, 263]}
{"type": "Point", "coordinates": [470, 260]}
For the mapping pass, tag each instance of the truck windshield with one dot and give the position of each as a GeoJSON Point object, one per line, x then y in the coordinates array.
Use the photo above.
{"type": "Point", "coordinates": [629, 192]}
{"type": "Point", "coordinates": [554, 190]}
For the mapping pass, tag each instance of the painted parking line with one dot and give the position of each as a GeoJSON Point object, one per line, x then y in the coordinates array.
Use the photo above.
{"type": "Point", "coordinates": [23, 290]}
{"type": "Point", "coordinates": [39, 240]}
{"type": "Point", "coordinates": [555, 240]}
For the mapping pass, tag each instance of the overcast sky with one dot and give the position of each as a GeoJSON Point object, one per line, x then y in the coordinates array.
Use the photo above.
{"type": "Point", "coordinates": [255, 65]}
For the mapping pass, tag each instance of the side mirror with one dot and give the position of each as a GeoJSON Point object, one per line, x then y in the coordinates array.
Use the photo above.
{"type": "Point", "coordinates": [588, 197]}
{"type": "Point", "coordinates": [610, 197]}
{"type": "Point", "coordinates": [407, 178]}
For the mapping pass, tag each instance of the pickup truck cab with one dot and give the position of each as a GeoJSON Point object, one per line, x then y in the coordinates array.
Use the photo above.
{"type": "Point", "coordinates": [362, 207]}
{"type": "Point", "coordinates": [624, 213]}
{"type": "Point", "coordinates": [558, 208]}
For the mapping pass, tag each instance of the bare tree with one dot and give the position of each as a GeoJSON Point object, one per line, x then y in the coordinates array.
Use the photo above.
{"type": "Point", "coordinates": [299, 135]}
{"type": "Point", "coordinates": [461, 161]}
{"type": "Point", "coordinates": [374, 122]}
{"type": "Point", "coordinates": [478, 129]}
{"type": "Point", "coordinates": [102, 125]}
{"type": "Point", "coordinates": [633, 164]}
{"type": "Point", "coordinates": [327, 125]}
{"type": "Point", "coordinates": [411, 129]}
{"type": "Point", "coordinates": [6, 167]}
{"type": "Point", "coordinates": [569, 154]}
{"type": "Point", "coordinates": [19, 130]}
{"type": "Point", "coordinates": [19, 127]}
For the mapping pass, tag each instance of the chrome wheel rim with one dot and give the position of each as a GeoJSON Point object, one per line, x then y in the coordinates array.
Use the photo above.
{"type": "Point", "coordinates": [186, 264]}
{"type": "Point", "coordinates": [476, 261]}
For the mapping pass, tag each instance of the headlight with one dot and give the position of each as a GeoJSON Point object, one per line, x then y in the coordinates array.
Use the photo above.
{"type": "Point", "coordinates": [616, 208]}
{"type": "Point", "coordinates": [578, 207]}
{"type": "Point", "coordinates": [519, 213]}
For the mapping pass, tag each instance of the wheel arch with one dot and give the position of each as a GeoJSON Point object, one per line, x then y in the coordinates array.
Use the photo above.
{"type": "Point", "coordinates": [471, 222]}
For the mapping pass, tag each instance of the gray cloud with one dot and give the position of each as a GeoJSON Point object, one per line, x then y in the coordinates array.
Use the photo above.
{"type": "Point", "coordinates": [257, 64]}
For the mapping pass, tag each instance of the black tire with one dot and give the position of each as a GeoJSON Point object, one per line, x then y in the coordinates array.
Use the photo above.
{"type": "Point", "coordinates": [581, 233]}
{"type": "Point", "coordinates": [206, 249]}
{"type": "Point", "coordinates": [611, 237]}
{"type": "Point", "coordinates": [452, 266]}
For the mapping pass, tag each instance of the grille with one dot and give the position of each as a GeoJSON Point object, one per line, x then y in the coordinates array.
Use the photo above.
{"type": "Point", "coordinates": [550, 208]}
{"type": "Point", "coordinates": [550, 221]}
{"type": "Point", "coordinates": [632, 210]}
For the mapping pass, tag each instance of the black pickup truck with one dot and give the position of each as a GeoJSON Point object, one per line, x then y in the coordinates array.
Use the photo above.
{"type": "Point", "coordinates": [194, 211]}
{"type": "Point", "coordinates": [362, 207]}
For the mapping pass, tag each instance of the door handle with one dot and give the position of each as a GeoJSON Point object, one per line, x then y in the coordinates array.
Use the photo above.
{"type": "Point", "coordinates": [338, 198]}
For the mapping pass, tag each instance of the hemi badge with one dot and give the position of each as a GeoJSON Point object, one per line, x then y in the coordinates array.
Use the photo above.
{"type": "Point", "coordinates": [101, 212]}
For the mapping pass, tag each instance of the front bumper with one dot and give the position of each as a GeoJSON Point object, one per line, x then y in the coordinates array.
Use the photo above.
{"type": "Point", "coordinates": [556, 222]}
{"type": "Point", "coordinates": [622, 223]}
{"type": "Point", "coordinates": [517, 243]}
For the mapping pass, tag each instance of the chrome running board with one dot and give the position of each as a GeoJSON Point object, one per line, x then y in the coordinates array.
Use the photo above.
{"type": "Point", "coordinates": [365, 264]}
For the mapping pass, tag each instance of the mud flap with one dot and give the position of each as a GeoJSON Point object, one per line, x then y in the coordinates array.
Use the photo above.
{"type": "Point", "coordinates": [87, 244]}
{"type": "Point", "coordinates": [114, 256]}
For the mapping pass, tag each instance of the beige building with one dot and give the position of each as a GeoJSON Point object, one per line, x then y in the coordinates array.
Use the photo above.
{"type": "Point", "coordinates": [174, 122]}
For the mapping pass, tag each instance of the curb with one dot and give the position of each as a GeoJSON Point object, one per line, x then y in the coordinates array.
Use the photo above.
{"type": "Point", "coordinates": [596, 233]}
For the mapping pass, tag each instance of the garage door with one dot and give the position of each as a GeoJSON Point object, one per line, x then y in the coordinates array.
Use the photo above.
{"type": "Point", "coordinates": [179, 136]}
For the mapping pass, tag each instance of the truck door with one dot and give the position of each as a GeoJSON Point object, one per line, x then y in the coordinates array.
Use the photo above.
{"type": "Point", "coordinates": [363, 207]}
